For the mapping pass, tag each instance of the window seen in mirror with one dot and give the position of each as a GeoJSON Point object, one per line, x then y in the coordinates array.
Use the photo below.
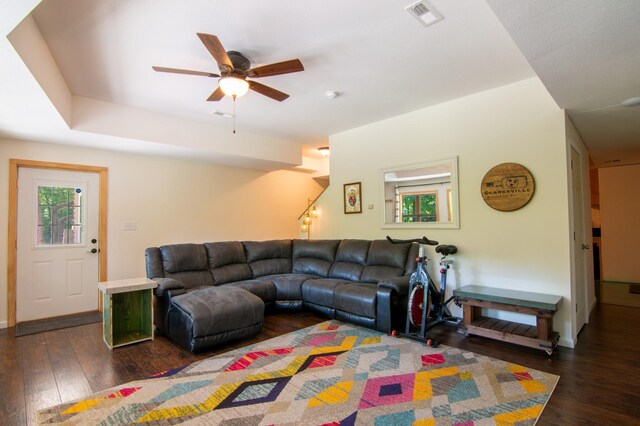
{"type": "Point", "coordinates": [421, 195]}
{"type": "Point", "coordinates": [419, 207]}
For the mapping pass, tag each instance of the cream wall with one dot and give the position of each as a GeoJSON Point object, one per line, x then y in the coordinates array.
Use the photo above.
{"type": "Point", "coordinates": [619, 207]}
{"type": "Point", "coordinates": [527, 249]}
{"type": "Point", "coordinates": [171, 201]}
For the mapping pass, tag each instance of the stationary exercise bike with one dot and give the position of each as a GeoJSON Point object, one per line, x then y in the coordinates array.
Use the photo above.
{"type": "Point", "coordinates": [427, 309]}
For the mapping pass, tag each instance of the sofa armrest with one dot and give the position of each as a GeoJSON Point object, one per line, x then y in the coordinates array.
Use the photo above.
{"type": "Point", "coordinates": [400, 285]}
{"type": "Point", "coordinates": [166, 284]}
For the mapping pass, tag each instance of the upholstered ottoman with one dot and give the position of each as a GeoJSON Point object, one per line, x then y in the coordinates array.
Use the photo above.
{"type": "Point", "coordinates": [208, 316]}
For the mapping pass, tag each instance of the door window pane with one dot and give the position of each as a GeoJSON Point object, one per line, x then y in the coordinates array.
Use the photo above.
{"type": "Point", "coordinates": [60, 216]}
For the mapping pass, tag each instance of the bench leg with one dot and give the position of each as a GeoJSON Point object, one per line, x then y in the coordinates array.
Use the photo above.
{"type": "Point", "coordinates": [470, 313]}
{"type": "Point", "coordinates": [544, 327]}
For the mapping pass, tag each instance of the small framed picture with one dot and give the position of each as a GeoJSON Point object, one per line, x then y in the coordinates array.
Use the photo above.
{"type": "Point", "coordinates": [352, 198]}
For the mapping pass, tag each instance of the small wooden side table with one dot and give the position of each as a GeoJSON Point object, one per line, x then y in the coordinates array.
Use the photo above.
{"type": "Point", "coordinates": [127, 311]}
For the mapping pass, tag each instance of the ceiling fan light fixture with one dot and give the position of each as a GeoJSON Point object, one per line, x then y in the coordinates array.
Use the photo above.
{"type": "Point", "coordinates": [233, 86]}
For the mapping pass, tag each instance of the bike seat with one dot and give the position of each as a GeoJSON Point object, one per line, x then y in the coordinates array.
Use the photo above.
{"type": "Point", "coordinates": [446, 249]}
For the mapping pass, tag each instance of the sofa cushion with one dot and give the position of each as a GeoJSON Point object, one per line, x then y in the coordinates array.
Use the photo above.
{"type": "Point", "coordinates": [351, 257]}
{"type": "Point", "coordinates": [192, 279]}
{"type": "Point", "coordinates": [153, 263]}
{"type": "Point", "coordinates": [166, 284]}
{"type": "Point", "coordinates": [186, 263]}
{"type": "Point", "coordinates": [359, 299]}
{"type": "Point", "coordinates": [288, 286]}
{"type": "Point", "coordinates": [197, 288]}
{"type": "Point", "coordinates": [375, 274]}
{"type": "Point", "coordinates": [220, 309]}
{"type": "Point", "coordinates": [410, 266]}
{"type": "Point", "coordinates": [354, 251]}
{"type": "Point", "coordinates": [225, 253]}
{"type": "Point", "coordinates": [268, 257]}
{"type": "Point", "coordinates": [228, 262]}
{"type": "Point", "coordinates": [313, 256]}
{"type": "Point", "coordinates": [319, 291]}
{"type": "Point", "coordinates": [230, 273]}
{"type": "Point", "coordinates": [183, 257]}
{"type": "Point", "coordinates": [385, 260]}
{"type": "Point", "coordinates": [265, 290]}
{"type": "Point", "coordinates": [317, 249]}
{"type": "Point", "coordinates": [384, 253]}
{"type": "Point", "coordinates": [346, 270]}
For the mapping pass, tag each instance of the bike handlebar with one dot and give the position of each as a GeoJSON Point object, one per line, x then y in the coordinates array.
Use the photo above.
{"type": "Point", "coordinates": [423, 240]}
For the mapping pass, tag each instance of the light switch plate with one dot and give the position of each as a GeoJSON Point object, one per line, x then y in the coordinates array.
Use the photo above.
{"type": "Point", "coordinates": [129, 226]}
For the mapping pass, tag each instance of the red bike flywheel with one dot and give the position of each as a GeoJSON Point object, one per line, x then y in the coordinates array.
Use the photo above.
{"type": "Point", "coordinates": [416, 300]}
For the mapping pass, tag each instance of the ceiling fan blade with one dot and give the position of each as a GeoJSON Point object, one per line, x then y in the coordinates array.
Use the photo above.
{"type": "Point", "coordinates": [216, 95]}
{"type": "Point", "coordinates": [267, 91]}
{"type": "Point", "coordinates": [216, 49]}
{"type": "Point", "coordinates": [188, 72]}
{"type": "Point", "coordinates": [285, 67]}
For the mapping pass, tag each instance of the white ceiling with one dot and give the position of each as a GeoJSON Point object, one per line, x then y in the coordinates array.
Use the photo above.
{"type": "Point", "coordinates": [587, 54]}
{"type": "Point", "coordinates": [82, 72]}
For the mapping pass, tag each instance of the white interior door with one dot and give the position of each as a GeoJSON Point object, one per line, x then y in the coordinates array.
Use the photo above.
{"type": "Point", "coordinates": [579, 245]}
{"type": "Point", "coordinates": [57, 253]}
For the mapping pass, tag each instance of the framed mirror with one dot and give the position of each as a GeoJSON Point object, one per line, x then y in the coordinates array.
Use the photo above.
{"type": "Point", "coordinates": [421, 195]}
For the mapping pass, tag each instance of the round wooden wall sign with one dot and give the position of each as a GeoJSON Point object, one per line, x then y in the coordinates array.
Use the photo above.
{"type": "Point", "coordinates": [507, 187]}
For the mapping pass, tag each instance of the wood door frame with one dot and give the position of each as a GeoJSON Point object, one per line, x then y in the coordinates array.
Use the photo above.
{"type": "Point", "coordinates": [12, 259]}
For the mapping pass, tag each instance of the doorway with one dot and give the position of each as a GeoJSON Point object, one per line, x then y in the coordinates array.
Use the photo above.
{"type": "Point", "coordinates": [30, 251]}
{"type": "Point", "coordinates": [579, 245]}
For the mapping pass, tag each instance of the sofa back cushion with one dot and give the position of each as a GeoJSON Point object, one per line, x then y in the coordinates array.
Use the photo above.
{"type": "Point", "coordinates": [351, 259]}
{"type": "Point", "coordinates": [153, 262]}
{"type": "Point", "coordinates": [314, 256]}
{"type": "Point", "coordinates": [268, 257]}
{"type": "Point", "coordinates": [186, 263]}
{"type": "Point", "coordinates": [385, 260]}
{"type": "Point", "coordinates": [227, 262]}
{"type": "Point", "coordinates": [411, 259]}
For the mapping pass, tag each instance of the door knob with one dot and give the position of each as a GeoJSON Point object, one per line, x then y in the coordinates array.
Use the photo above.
{"type": "Point", "coordinates": [585, 247]}
{"type": "Point", "coordinates": [93, 241]}
{"type": "Point", "coordinates": [93, 250]}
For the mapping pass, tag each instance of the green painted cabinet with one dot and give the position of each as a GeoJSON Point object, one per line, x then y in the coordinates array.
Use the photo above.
{"type": "Point", "coordinates": [127, 311]}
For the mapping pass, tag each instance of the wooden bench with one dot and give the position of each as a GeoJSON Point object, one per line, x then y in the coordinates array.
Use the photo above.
{"type": "Point", "coordinates": [542, 306]}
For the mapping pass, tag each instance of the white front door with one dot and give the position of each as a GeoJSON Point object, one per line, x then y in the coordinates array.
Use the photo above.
{"type": "Point", "coordinates": [57, 253]}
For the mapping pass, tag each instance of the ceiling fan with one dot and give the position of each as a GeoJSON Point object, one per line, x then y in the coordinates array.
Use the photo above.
{"type": "Point", "coordinates": [234, 70]}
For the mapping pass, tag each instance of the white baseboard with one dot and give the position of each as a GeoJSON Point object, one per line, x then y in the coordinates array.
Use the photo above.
{"type": "Point", "coordinates": [3, 324]}
{"type": "Point", "coordinates": [567, 343]}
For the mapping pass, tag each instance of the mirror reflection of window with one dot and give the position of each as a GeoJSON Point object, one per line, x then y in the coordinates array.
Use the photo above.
{"type": "Point", "coordinates": [423, 195]}
{"type": "Point", "coordinates": [419, 207]}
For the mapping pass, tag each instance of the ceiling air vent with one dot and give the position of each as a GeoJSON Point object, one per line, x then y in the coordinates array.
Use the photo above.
{"type": "Point", "coordinates": [424, 13]}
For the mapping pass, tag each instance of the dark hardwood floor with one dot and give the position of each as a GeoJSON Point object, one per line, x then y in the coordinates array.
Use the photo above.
{"type": "Point", "coordinates": [599, 383]}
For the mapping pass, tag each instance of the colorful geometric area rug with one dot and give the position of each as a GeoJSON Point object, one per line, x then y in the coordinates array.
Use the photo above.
{"type": "Point", "coordinates": [329, 374]}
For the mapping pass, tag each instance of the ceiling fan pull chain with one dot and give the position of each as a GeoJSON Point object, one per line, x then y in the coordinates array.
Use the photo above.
{"type": "Point", "coordinates": [234, 114]}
